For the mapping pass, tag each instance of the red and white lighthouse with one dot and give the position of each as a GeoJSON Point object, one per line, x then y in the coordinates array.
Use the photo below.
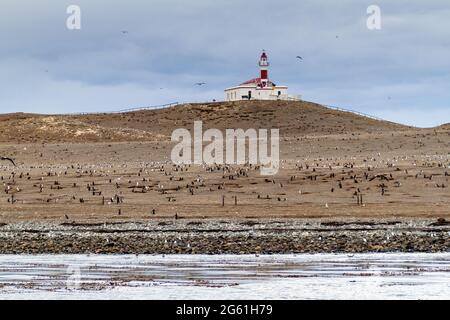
{"type": "Point", "coordinates": [260, 88]}
{"type": "Point", "coordinates": [264, 67]}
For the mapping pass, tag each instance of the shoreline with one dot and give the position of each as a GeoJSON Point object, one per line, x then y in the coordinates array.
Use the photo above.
{"type": "Point", "coordinates": [227, 236]}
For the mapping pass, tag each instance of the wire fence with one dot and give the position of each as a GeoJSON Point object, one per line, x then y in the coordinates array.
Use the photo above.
{"type": "Point", "coordinates": [354, 112]}
{"type": "Point", "coordinates": [156, 107]}
{"type": "Point", "coordinates": [162, 106]}
{"type": "Point", "coordinates": [173, 104]}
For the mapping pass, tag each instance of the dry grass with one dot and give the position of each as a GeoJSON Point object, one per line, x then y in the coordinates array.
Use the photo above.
{"type": "Point", "coordinates": [124, 154]}
{"type": "Point", "coordinates": [294, 119]}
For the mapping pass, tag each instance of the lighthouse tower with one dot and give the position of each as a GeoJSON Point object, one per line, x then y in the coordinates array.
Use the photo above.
{"type": "Point", "coordinates": [260, 88]}
{"type": "Point", "coordinates": [264, 67]}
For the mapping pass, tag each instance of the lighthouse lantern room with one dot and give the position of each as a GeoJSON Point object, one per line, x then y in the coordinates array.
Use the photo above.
{"type": "Point", "coordinates": [259, 88]}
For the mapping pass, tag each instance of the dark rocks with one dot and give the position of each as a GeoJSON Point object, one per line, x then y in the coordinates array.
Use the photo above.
{"type": "Point", "coordinates": [222, 237]}
{"type": "Point", "coordinates": [440, 222]}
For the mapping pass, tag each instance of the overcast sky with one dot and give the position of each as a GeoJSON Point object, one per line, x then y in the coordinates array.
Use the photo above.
{"type": "Point", "coordinates": [400, 73]}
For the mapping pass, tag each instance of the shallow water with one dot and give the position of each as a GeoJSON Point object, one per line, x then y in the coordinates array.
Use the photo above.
{"type": "Point", "coordinates": [320, 276]}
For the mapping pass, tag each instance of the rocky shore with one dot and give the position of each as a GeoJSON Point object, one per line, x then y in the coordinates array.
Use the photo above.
{"type": "Point", "coordinates": [226, 237]}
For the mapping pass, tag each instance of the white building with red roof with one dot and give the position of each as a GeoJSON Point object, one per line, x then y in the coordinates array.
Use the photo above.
{"type": "Point", "coordinates": [259, 88]}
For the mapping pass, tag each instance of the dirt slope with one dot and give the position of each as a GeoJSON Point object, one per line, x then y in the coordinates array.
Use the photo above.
{"type": "Point", "coordinates": [292, 118]}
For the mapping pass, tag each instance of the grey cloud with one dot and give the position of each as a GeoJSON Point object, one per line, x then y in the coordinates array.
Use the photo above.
{"type": "Point", "coordinates": [172, 44]}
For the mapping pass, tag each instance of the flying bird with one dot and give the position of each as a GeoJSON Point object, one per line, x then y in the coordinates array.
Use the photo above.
{"type": "Point", "coordinates": [8, 159]}
{"type": "Point", "coordinates": [200, 83]}
{"type": "Point", "coordinates": [298, 57]}
{"type": "Point", "coordinates": [124, 32]}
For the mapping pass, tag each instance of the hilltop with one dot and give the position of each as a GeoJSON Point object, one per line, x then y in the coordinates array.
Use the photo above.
{"type": "Point", "coordinates": [292, 118]}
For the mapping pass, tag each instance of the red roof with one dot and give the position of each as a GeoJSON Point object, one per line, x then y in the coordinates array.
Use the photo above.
{"type": "Point", "coordinates": [252, 81]}
{"type": "Point", "coordinates": [257, 81]}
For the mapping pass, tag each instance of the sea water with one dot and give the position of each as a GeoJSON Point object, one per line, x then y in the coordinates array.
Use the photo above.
{"type": "Point", "coordinates": [302, 276]}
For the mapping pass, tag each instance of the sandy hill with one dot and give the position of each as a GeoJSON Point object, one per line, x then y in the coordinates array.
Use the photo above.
{"type": "Point", "coordinates": [292, 118]}
{"type": "Point", "coordinates": [445, 126]}
{"type": "Point", "coordinates": [26, 128]}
